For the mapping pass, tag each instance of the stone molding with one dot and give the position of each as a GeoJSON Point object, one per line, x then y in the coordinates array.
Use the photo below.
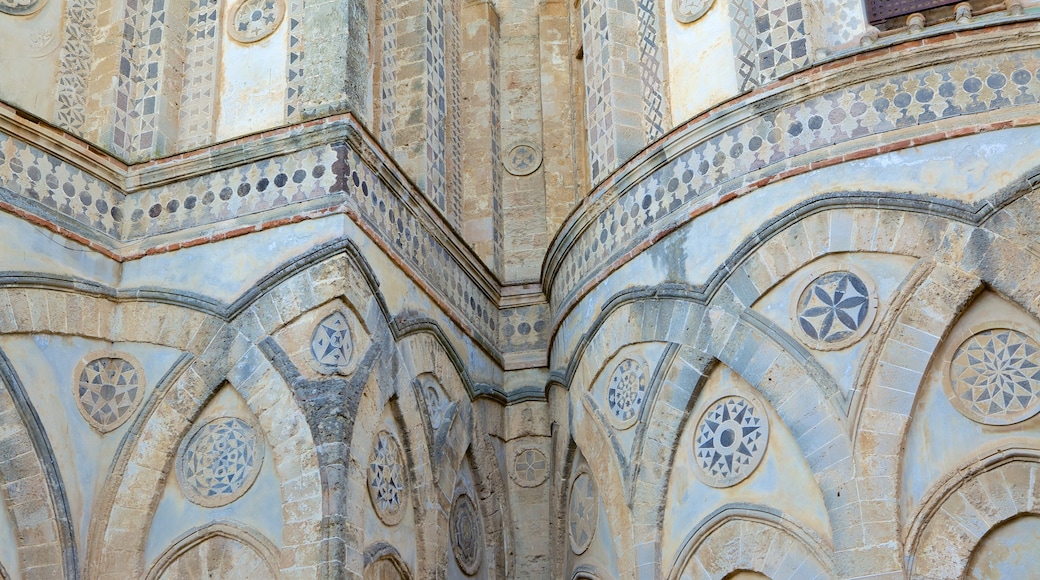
{"type": "Point", "coordinates": [568, 275]}
{"type": "Point", "coordinates": [226, 529]}
{"type": "Point", "coordinates": [770, 544]}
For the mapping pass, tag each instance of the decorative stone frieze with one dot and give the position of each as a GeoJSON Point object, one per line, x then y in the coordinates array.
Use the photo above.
{"type": "Point", "coordinates": [219, 460]}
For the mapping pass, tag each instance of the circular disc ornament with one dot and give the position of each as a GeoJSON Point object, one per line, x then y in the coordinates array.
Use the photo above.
{"type": "Point", "coordinates": [386, 479]}
{"type": "Point", "coordinates": [626, 392]}
{"type": "Point", "coordinates": [530, 467]}
{"type": "Point", "coordinates": [466, 537]}
{"type": "Point", "coordinates": [687, 11]}
{"type": "Point", "coordinates": [835, 310]}
{"type": "Point", "coordinates": [582, 513]}
{"type": "Point", "coordinates": [332, 344]}
{"type": "Point", "coordinates": [994, 377]}
{"type": "Point", "coordinates": [108, 390]}
{"type": "Point", "coordinates": [255, 20]}
{"type": "Point", "coordinates": [219, 460]}
{"type": "Point", "coordinates": [21, 7]}
{"type": "Point", "coordinates": [731, 439]}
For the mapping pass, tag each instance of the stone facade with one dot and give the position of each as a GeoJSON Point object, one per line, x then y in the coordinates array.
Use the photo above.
{"type": "Point", "coordinates": [583, 289]}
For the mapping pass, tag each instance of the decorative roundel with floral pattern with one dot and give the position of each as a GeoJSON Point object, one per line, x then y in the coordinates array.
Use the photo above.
{"type": "Point", "coordinates": [687, 11]}
{"type": "Point", "coordinates": [835, 310]}
{"type": "Point", "coordinates": [332, 344]}
{"type": "Point", "coordinates": [255, 20]}
{"type": "Point", "coordinates": [731, 439]}
{"type": "Point", "coordinates": [994, 377]}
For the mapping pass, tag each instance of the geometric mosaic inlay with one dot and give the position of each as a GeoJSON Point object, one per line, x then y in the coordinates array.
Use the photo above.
{"type": "Point", "coordinates": [20, 7]}
{"type": "Point", "coordinates": [219, 461]}
{"type": "Point", "coordinates": [583, 513]}
{"type": "Point", "coordinates": [731, 440]}
{"type": "Point", "coordinates": [466, 539]}
{"type": "Point", "coordinates": [832, 311]}
{"type": "Point", "coordinates": [331, 343]}
{"type": "Point", "coordinates": [995, 377]}
{"type": "Point", "coordinates": [386, 479]}
{"type": "Point", "coordinates": [108, 391]}
{"type": "Point", "coordinates": [530, 468]}
{"type": "Point", "coordinates": [255, 20]}
{"type": "Point", "coordinates": [626, 391]}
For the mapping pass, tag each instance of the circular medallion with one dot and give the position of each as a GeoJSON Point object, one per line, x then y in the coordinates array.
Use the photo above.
{"type": "Point", "coordinates": [108, 390]}
{"type": "Point", "coordinates": [219, 460]}
{"type": "Point", "coordinates": [687, 11]}
{"type": "Point", "coordinates": [386, 479]}
{"type": "Point", "coordinates": [995, 377]}
{"type": "Point", "coordinates": [21, 7]}
{"type": "Point", "coordinates": [523, 159]}
{"type": "Point", "coordinates": [835, 310]}
{"type": "Point", "coordinates": [255, 20]}
{"type": "Point", "coordinates": [331, 343]}
{"type": "Point", "coordinates": [530, 468]}
{"type": "Point", "coordinates": [626, 391]}
{"type": "Point", "coordinates": [731, 440]}
{"type": "Point", "coordinates": [582, 513]}
{"type": "Point", "coordinates": [466, 540]}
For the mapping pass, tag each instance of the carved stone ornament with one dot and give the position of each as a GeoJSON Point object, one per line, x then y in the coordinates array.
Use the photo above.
{"type": "Point", "coordinates": [219, 460]}
{"type": "Point", "coordinates": [466, 538]}
{"type": "Point", "coordinates": [994, 377]}
{"type": "Point", "coordinates": [21, 7]}
{"type": "Point", "coordinates": [835, 310]}
{"type": "Point", "coordinates": [386, 479]}
{"type": "Point", "coordinates": [108, 389]}
{"type": "Point", "coordinates": [255, 20]}
{"type": "Point", "coordinates": [687, 11]}
{"type": "Point", "coordinates": [731, 439]}
{"type": "Point", "coordinates": [530, 467]}
{"type": "Point", "coordinates": [626, 392]}
{"type": "Point", "coordinates": [523, 159]}
{"type": "Point", "coordinates": [582, 513]}
{"type": "Point", "coordinates": [332, 344]}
